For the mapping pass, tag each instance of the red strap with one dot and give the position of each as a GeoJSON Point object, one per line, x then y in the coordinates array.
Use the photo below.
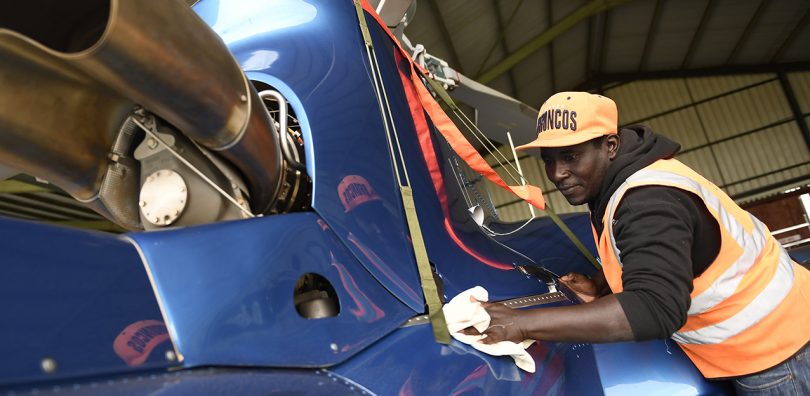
{"type": "Point", "coordinates": [448, 129]}
{"type": "Point", "coordinates": [429, 154]}
{"type": "Point", "coordinates": [371, 11]}
{"type": "Point", "coordinates": [466, 151]}
{"type": "Point", "coordinates": [423, 135]}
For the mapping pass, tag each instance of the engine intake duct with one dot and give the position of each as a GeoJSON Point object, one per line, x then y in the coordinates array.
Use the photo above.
{"type": "Point", "coordinates": [71, 72]}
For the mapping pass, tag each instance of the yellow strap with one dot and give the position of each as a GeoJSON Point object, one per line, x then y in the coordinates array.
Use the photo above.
{"type": "Point", "coordinates": [363, 26]}
{"type": "Point", "coordinates": [429, 288]}
{"type": "Point", "coordinates": [441, 92]}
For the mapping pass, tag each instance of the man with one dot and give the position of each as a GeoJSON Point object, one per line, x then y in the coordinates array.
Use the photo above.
{"type": "Point", "coordinates": [680, 258]}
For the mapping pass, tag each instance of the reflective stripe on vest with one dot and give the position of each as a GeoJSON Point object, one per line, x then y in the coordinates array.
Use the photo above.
{"type": "Point", "coordinates": [750, 279]}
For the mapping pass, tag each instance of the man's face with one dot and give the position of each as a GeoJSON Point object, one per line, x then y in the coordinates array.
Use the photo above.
{"type": "Point", "coordinates": [577, 171]}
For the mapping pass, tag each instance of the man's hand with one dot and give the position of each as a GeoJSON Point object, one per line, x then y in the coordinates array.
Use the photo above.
{"type": "Point", "coordinates": [602, 320]}
{"type": "Point", "coordinates": [587, 289]}
{"type": "Point", "coordinates": [504, 324]}
{"type": "Point", "coordinates": [584, 287]}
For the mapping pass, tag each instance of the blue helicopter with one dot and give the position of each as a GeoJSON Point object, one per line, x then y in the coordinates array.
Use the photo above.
{"type": "Point", "coordinates": [293, 217]}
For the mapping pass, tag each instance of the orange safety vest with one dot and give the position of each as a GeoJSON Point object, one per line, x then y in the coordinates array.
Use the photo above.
{"type": "Point", "coordinates": [749, 308]}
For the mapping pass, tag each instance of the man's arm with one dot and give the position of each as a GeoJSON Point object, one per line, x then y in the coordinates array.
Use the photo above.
{"type": "Point", "coordinates": [655, 230]}
{"type": "Point", "coordinates": [602, 320]}
{"type": "Point", "coordinates": [654, 234]}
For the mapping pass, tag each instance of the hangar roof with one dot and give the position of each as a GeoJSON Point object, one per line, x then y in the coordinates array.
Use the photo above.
{"type": "Point", "coordinates": [530, 49]}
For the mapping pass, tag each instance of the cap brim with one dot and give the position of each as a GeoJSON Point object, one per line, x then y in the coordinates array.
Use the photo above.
{"type": "Point", "coordinates": [562, 141]}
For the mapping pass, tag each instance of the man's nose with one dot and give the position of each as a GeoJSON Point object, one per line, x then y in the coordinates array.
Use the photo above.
{"type": "Point", "coordinates": [558, 173]}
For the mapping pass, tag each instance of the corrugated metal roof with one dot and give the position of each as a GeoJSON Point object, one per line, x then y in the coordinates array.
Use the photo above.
{"type": "Point", "coordinates": [636, 39]}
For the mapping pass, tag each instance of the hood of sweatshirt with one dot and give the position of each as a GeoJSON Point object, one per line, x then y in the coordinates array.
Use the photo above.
{"type": "Point", "coordinates": [639, 147]}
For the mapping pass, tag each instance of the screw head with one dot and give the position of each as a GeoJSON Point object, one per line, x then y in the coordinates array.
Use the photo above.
{"type": "Point", "coordinates": [48, 365]}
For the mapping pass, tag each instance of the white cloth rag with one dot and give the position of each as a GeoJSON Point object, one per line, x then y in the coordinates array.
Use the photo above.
{"type": "Point", "coordinates": [461, 313]}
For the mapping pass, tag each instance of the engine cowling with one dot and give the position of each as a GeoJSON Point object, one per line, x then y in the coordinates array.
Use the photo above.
{"type": "Point", "coordinates": [73, 72]}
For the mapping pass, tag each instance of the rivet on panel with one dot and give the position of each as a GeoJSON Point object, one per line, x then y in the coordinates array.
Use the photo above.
{"type": "Point", "coordinates": [48, 365]}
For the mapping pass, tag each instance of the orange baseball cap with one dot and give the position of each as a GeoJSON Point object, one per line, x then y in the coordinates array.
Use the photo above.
{"type": "Point", "coordinates": [571, 118]}
{"type": "Point", "coordinates": [354, 190]}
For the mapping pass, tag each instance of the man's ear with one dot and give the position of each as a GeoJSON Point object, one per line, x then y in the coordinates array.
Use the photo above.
{"type": "Point", "coordinates": [612, 143]}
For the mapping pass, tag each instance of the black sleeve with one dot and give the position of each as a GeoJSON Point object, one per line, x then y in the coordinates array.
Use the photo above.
{"type": "Point", "coordinates": [654, 229]}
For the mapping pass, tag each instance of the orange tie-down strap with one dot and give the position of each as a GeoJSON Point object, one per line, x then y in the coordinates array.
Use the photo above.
{"type": "Point", "coordinates": [451, 133]}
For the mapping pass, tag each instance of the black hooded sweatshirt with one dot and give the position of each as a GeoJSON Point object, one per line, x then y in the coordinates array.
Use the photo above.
{"type": "Point", "coordinates": [666, 237]}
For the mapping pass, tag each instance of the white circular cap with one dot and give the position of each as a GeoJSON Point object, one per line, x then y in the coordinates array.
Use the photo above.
{"type": "Point", "coordinates": [163, 197]}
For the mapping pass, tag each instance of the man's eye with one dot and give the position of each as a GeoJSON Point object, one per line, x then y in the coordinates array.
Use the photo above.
{"type": "Point", "coordinates": [569, 157]}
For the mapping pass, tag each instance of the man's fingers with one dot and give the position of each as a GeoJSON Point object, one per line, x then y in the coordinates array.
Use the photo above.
{"type": "Point", "coordinates": [483, 303]}
{"type": "Point", "coordinates": [469, 331]}
{"type": "Point", "coordinates": [491, 338]}
{"type": "Point", "coordinates": [570, 278]}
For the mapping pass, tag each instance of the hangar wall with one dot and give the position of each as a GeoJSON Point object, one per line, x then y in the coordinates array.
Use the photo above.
{"type": "Point", "coordinates": [746, 133]}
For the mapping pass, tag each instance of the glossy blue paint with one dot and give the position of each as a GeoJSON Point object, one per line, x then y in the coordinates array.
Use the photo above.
{"type": "Point", "coordinates": [542, 241]}
{"type": "Point", "coordinates": [226, 290]}
{"type": "Point", "coordinates": [462, 254]}
{"type": "Point", "coordinates": [651, 368]}
{"type": "Point", "coordinates": [409, 362]}
{"type": "Point", "coordinates": [320, 60]}
{"type": "Point", "coordinates": [67, 295]}
{"type": "Point", "coordinates": [801, 254]}
{"type": "Point", "coordinates": [207, 381]}
{"type": "Point", "coordinates": [391, 367]}
{"type": "Point", "coordinates": [346, 137]}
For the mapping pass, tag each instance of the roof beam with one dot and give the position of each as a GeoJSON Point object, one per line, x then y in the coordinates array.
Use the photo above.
{"type": "Point", "coordinates": [551, 74]}
{"type": "Point", "coordinates": [747, 32]}
{"type": "Point", "coordinates": [503, 35]}
{"type": "Point", "coordinates": [589, 49]}
{"type": "Point", "coordinates": [591, 8]}
{"type": "Point", "coordinates": [434, 7]}
{"type": "Point", "coordinates": [618, 78]}
{"type": "Point", "coordinates": [792, 36]}
{"type": "Point", "coordinates": [698, 36]}
{"type": "Point", "coordinates": [502, 39]}
{"type": "Point", "coordinates": [790, 95]}
{"type": "Point", "coordinates": [650, 37]}
{"type": "Point", "coordinates": [600, 67]}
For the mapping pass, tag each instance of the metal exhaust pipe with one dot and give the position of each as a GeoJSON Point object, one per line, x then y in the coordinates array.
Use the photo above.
{"type": "Point", "coordinates": [79, 67]}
